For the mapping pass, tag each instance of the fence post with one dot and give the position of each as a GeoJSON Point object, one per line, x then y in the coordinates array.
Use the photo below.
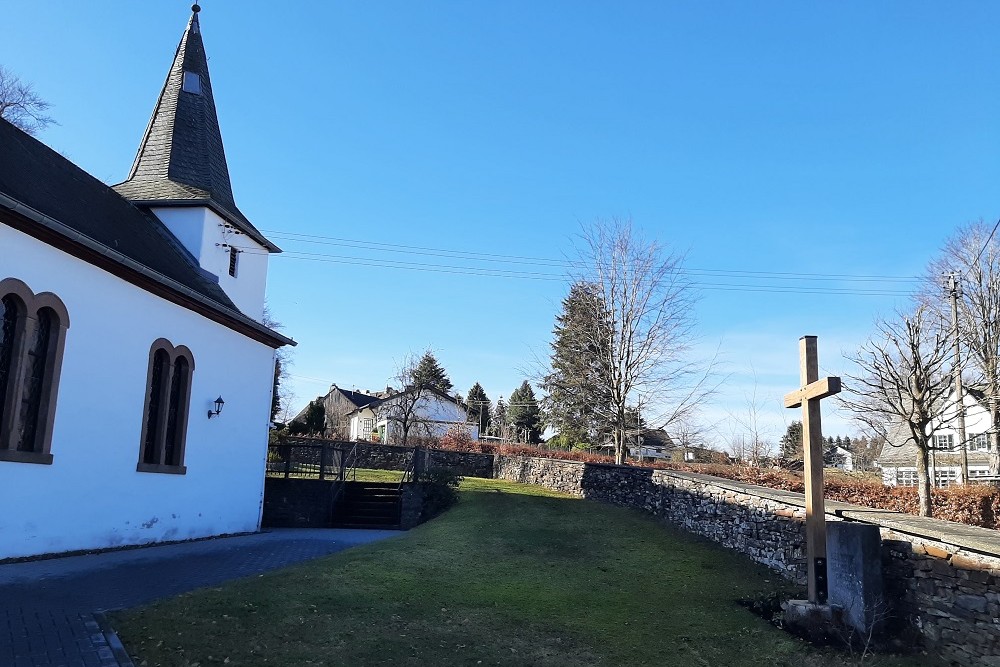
{"type": "Point", "coordinates": [322, 462]}
{"type": "Point", "coordinates": [288, 459]}
{"type": "Point", "coordinates": [417, 463]}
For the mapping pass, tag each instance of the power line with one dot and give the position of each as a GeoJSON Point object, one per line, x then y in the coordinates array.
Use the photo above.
{"type": "Point", "coordinates": [723, 280]}
{"type": "Point", "coordinates": [982, 250]}
{"type": "Point", "coordinates": [557, 263]}
{"type": "Point", "coordinates": [535, 275]}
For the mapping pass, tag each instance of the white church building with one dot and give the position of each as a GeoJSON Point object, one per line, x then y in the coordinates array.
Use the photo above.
{"type": "Point", "coordinates": [126, 313]}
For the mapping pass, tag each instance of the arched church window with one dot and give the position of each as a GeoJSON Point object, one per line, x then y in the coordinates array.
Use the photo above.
{"type": "Point", "coordinates": [165, 417]}
{"type": "Point", "coordinates": [32, 338]}
{"type": "Point", "coordinates": [158, 374]}
{"type": "Point", "coordinates": [35, 373]}
{"type": "Point", "coordinates": [10, 313]}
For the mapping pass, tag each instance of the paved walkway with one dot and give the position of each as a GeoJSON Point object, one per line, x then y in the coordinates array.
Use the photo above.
{"type": "Point", "coordinates": [49, 609]}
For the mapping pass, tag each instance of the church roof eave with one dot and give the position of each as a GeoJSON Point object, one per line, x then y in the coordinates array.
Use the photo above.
{"type": "Point", "coordinates": [73, 241]}
{"type": "Point", "coordinates": [235, 219]}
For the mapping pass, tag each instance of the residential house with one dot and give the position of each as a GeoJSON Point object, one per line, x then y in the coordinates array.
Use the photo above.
{"type": "Point", "coordinates": [657, 445]}
{"type": "Point", "coordinates": [428, 413]}
{"type": "Point", "coordinates": [135, 372]}
{"type": "Point", "coordinates": [839, 457]}
{"type": "Point", "coordinates": [899, 454]}
{"type": "Point", "coordinates": [337, 404]}
{"type": "Point", "coordinates": [649, 444]}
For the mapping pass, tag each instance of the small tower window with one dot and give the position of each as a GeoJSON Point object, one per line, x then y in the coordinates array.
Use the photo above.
{"type": "Point", "coordinates": [192, 83]}
{"type": "Point", "coordinates": [234, 260]}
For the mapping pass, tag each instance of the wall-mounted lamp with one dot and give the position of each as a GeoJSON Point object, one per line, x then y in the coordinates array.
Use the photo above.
{"type": "Point", "coordinates": [218, 408]}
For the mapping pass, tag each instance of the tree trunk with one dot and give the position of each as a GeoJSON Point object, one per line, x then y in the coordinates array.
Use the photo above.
{"type": "Point", "coordinates": [619, 440]}
{"type": "Point", "coordinates": [923, 480]}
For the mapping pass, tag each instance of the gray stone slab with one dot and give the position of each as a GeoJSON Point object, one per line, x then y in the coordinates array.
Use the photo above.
{"type": "Point", "coordinates": [854, 572]}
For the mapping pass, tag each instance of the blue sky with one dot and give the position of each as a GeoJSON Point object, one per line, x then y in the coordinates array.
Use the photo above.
{"type": "Point", "coordinates": [835, 139]}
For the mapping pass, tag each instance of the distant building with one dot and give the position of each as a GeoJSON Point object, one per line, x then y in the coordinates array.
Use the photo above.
{"type": "Point", "coordinates": [840, 458]}
{"type": "Point", "coordinates": [899, 455]}
{"type": "Point", "coordinates": [657, 445]}
{"type": "Point", "coordinates": [428, 412]}
{"type": "Point", "coordinates": [337, 404]}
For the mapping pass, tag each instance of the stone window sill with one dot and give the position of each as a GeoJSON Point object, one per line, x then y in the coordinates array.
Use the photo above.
{"type": "Point", "coordinates": [164, 469]}
{"type": "Point", "coordinates": [16, 456]}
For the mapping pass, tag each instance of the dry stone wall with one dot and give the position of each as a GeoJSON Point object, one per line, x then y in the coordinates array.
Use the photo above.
{"type": "Point", "coordinates": [941, 579]}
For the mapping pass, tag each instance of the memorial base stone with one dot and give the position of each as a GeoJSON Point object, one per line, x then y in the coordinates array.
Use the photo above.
{"type": "Point", "coordinates": [854, 565]}
{"type": "Point", "coordinates": [819, 623]}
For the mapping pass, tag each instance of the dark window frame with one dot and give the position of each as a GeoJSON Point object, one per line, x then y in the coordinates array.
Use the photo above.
{"type": "Point", "coordinates": [234, 261]}
{"type": "Point", "coordinates": [164, 432]}
{"type": "Point", "coordinates": [45, 389]}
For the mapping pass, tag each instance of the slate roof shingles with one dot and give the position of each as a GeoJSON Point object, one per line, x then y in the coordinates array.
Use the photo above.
{"type": "Point", "coordinates": [181, 159]}
{"type": "Point", "coordinates": [38, 177]}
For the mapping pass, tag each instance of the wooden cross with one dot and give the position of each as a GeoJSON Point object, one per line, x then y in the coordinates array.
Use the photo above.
{"type": "Point", "coordinates": [813, 389]}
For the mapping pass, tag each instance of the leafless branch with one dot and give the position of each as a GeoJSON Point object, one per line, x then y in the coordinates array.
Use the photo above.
{"type": "Point", "coordinates": [20, 105]}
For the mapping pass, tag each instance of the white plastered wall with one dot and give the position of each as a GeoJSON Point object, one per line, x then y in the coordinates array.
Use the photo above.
{"type": "Point", "coordinates": [208, 237]}
{"type": "Point", "coordinates": [91, 497]}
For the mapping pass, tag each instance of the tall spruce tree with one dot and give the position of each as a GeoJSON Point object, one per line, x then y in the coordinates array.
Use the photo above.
{"type": "Point", "coordinates": [498, 422]}
{"type": "Point", "coordinates": [791, 442]}
{"type": "Point", "coordinates": [479, 407]}
{"type": "Point", "coordinates": [429, 373]}
{"type": "Point", "coordinates": [573, 387]}
{"type": "Point", "coordinates": [524, 412]}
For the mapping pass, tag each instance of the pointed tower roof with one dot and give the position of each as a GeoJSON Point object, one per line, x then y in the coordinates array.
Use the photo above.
{"type": "Point", "coordinates": [181, 160]}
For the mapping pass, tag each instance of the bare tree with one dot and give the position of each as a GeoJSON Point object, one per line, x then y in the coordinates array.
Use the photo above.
{"type": "Point", "coordinates": [643, 331]}
{"type": "Point", "coordinates": [750, 439]}
{"type": "Point", "coordinates": [282, 395]}
{"type": "Point", "coordinates": [20, 105]}
{"type": "Point", "coordinates": [403, 410]}
{"type": "Point", "coordinates": [901, 385]}
{"type": "Point", "coordinates": [973, 253]}
{"type": "Point", "coordinates": [866, 450]}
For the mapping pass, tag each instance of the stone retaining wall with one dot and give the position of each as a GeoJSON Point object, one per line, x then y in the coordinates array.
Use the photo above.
{"type": "Point", "coordinates": [941, 578]}
{"type": "Point", "coordinates": [391, 457]}
{"type": "Point", "coordinates": [382, 457]}
{"type": "Point", "coordinates": [297, 503]}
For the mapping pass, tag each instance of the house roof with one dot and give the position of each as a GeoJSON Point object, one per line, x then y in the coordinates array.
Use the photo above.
{"type": "Point", "coordinates": [181, 160]}
{"type": "Point", "coordinates": [900, 450]}
{"type": "Point", "coordinates": [46, 196]}
{"type": "Point", "coordinates": [385, 399]}
{"type": "Point", "coordinates": [356, 397]}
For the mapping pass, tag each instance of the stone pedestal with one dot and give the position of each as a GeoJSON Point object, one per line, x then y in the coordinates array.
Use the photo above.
{"type": "Point", "coordinates": [854, 566]}
{"type": "Point", "coordinates": [816, 622]}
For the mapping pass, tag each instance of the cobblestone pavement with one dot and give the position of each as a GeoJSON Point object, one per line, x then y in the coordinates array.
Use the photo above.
{"type": "Point", "coordinates": [50, 609]}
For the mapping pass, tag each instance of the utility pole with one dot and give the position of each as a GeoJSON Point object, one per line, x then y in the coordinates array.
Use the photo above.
{"type": "Point", "coordinates": [954, 291]}
{"type": "Point", "coordinates": [638, 431]}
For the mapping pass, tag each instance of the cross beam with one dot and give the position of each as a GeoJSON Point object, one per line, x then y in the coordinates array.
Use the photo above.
{"type": "Point", "coordinates": [808, 396]}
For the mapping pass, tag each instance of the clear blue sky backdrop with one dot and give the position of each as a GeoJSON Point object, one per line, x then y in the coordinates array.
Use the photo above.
{"type": "Point", "coordinates": [795, 137]}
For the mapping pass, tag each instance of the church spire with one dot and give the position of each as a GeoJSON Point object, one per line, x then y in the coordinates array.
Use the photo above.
{"type": "Point", "coordinates": [181, 160]}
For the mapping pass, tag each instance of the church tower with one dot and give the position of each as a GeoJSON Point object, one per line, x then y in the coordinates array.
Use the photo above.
{"type": "Point", "coordinates": [181, 175]}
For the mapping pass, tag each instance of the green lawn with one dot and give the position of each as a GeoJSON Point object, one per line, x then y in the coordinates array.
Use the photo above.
{"type": "Point", "coordinates": [369, 475]}
{"type": "Point", "coordinates": [513, 575]}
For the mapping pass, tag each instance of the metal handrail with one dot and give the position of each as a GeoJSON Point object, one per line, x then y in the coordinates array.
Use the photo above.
{"type": "Point", "coordinates": [342, 474]}
{"type": "Point", "coordinates": [408, 471]}
{"type": "Point", "coordinates": [351, 457]}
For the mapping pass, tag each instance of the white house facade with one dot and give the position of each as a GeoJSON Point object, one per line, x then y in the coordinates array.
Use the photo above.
{"type": "Point", "coordinates": [427, 412]}
{"type": "Point", "coordinates": [123, 321]}
{"type": "Point", "coordinates": [898, 456]}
